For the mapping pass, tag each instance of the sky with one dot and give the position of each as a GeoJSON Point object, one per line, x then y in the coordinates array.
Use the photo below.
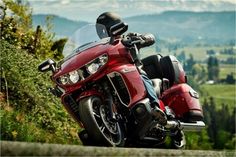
{"type": "Point", "coordinates": [89, 10]}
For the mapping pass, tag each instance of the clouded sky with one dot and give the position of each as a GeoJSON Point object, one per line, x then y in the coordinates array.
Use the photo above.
{"type": "Point", "coordinates": [88, 10]}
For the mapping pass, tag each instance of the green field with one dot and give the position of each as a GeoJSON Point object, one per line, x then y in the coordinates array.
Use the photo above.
{"type": "Point", "coordinates": [199, 54]}
{"type": "Point", "coordinates": [222, 93]}
{"type": "Point", "coordinates": [226, 69]}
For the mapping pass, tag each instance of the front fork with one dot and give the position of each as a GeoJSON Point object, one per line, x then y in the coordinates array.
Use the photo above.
{"type": "Point", "coordinates": [105, 93]}
{"type": "Point", "coordinates": [109, 102]}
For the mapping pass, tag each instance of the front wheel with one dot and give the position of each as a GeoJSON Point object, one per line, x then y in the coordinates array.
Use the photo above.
{"type": "Point", "coordinates": [95, 118]}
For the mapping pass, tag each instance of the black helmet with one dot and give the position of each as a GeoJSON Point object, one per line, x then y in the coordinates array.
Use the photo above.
{"type": "Point", "coordinates": [108, 19]}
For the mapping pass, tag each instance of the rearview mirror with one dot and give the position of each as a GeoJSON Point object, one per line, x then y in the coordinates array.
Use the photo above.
{"type": "Point", "coordinates": [118, 29]}
{"type": "Point", "coordinates": [47, 65]}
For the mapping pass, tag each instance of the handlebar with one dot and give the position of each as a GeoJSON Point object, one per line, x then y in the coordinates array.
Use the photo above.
{"type": "Point", "coordinates": [139, 41]}
{"type": "Point", "coordinates": [149, 40]}
{"type": "Point", "coordinates": [134, 42]}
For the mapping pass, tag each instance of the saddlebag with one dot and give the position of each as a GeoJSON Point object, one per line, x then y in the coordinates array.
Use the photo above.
{"type": "Point", "coordinates": [184, 102]}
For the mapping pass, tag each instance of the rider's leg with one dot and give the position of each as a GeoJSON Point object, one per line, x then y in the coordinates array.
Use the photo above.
{"type": "Point", "coordinates": [151, 94]}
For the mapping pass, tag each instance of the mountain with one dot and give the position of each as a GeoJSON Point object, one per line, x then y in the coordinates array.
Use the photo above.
{"type": "Point", "coordinates": [209, 27]}
{"type": "Point", "coordinates": [178, 26]}
{"type": "Point", "coordinates": [61, 26]}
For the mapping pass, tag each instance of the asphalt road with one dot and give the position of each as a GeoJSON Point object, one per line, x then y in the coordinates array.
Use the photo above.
{"type": "Point", "coordinates": [9, 148]}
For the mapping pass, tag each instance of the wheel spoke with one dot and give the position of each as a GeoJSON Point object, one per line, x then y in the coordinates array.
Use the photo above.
{"type": "Point", "coordinates": [96, 114]}
{"type": "Point", "coordinates": [102, 128]}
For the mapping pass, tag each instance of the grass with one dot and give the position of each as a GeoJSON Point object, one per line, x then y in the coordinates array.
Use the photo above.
{"type": "Point", "coordinates": [17, 125]}
{"type": "Point", "coordinates": [222, 93]}
{"type": "Point", "coordinates": [199, 53]}
{"type": "Point", "coordinates": [28, 112]}
{"type": "Point", "coordinates": [226, 69]}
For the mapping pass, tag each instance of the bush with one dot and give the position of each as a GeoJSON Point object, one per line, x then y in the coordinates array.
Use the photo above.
{"type": "Point", "coordinates": [16, 28]}
{"type": "Point", "coordinates": [25, 91]}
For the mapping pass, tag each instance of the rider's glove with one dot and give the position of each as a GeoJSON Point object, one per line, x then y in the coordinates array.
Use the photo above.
{"type": "Point", "coordinates": [145, 40]}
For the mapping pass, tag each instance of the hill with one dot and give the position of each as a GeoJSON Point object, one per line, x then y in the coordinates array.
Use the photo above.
{"type": "Point", "coordinates": [61, 26]}
{"type": "Point", "coordinates": [188, 27]}
{"type": "Point", "coordinates": [177, 26]}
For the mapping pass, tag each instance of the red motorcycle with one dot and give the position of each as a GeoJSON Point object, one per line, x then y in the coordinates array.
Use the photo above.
{"type": "Point", "coordinates": [100, 85]}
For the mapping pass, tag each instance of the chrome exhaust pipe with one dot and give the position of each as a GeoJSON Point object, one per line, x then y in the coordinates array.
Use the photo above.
{"type": "Point", "coordinates": [195, 126]}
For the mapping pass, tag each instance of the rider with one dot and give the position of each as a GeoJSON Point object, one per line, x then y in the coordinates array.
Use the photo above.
{"type": "Point", "coordinates": [109, 19]}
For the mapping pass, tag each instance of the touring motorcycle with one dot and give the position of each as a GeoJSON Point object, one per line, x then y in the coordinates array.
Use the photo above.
{"type": "Point", "coordinates": [99, 84]}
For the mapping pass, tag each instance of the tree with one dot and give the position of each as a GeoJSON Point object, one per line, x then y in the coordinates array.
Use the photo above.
{"type": "Point", "coordinates": [230, 79]}
{"type": "Point", "coordinates": [211, 52]}
{"type": "Point", "coordinates": [182, 56]}
{"type": "Point", "coordinates": [58, 47]}
{"type": "Point", "coordinates": [199, 72]}
{"type": "Point", "coordinates": [213, 68]}
{"type": "Point", "coordinates": [188, 66]}
{"type": "Point", "coordinates": [16, 28]}
{"type": "Point", "coordinates": [22, 13]}
{"type": "Point", "coordinates": [220, 124]}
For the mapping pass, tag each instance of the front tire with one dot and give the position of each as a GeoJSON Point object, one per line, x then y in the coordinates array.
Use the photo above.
{"type": "Point", "coordinates": [101, 130]}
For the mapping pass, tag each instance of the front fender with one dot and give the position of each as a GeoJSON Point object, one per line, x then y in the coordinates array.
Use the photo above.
{"type": "Point", "coordinates": [87, 94]}
{"type": "Point", "coordinates": [72, 104]}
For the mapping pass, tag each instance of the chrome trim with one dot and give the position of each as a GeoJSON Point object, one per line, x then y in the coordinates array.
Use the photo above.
{"type": "Point", "coordinates": [198, 126]}
{"type": "Point", "coordinates": [113, 74]}
{"type": "Point", "coordinates": [194, 126]}
{"type": "Point", "coordinates": [81, 75]}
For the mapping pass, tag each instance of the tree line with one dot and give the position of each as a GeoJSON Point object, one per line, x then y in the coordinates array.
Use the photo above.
{"type": "Point", "coordinates": [16, 28]}
{"type": "Point", "coordinates": [202, 74]}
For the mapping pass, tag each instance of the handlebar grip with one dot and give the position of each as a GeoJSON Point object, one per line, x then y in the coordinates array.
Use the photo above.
{"type": "Point", "coordinates": [149, 40]}
{"type": "Point", "coordinates": [141, 41]}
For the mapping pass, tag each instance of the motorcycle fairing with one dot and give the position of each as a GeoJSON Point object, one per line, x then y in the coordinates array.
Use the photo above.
{"type": "Point", "coordinates": [129, 82]}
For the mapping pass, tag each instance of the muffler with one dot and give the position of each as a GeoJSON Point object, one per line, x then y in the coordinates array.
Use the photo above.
{"type": "Point", "coordinates": [194, 126]}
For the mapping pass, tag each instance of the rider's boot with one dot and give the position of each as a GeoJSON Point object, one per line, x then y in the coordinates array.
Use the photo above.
{"type": "Point", "coordinates": [159, 115]}
{"type": "Point", "coordinates": [169, 113]}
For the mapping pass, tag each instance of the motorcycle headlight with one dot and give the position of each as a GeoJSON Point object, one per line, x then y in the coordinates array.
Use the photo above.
{"type": "Point", "coordinates": [84, 72]}
{"type": "Point", "coordinates": [95, 65]}
{"type": "Point", "coordinates": [93, 68]}
{"type": "Point", "coordinates": [64, 79]}
{"type": "Point", "coordinates": [71, 78]}
{"type": "Point", "coordinates": [74, 76]}
{"type": "Point", "coordinates": [103, 59]}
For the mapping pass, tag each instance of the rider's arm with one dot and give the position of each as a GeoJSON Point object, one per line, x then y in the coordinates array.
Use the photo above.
{"type": "Point", "coordinates": [145, 39]}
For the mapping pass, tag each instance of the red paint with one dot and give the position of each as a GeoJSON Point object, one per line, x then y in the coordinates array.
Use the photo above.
{"type": "Point", "coordinates": [179, 99]}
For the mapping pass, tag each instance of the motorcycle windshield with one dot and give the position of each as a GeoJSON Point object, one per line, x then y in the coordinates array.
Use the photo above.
{"type": "Point", "coordinates": [84, 38]}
